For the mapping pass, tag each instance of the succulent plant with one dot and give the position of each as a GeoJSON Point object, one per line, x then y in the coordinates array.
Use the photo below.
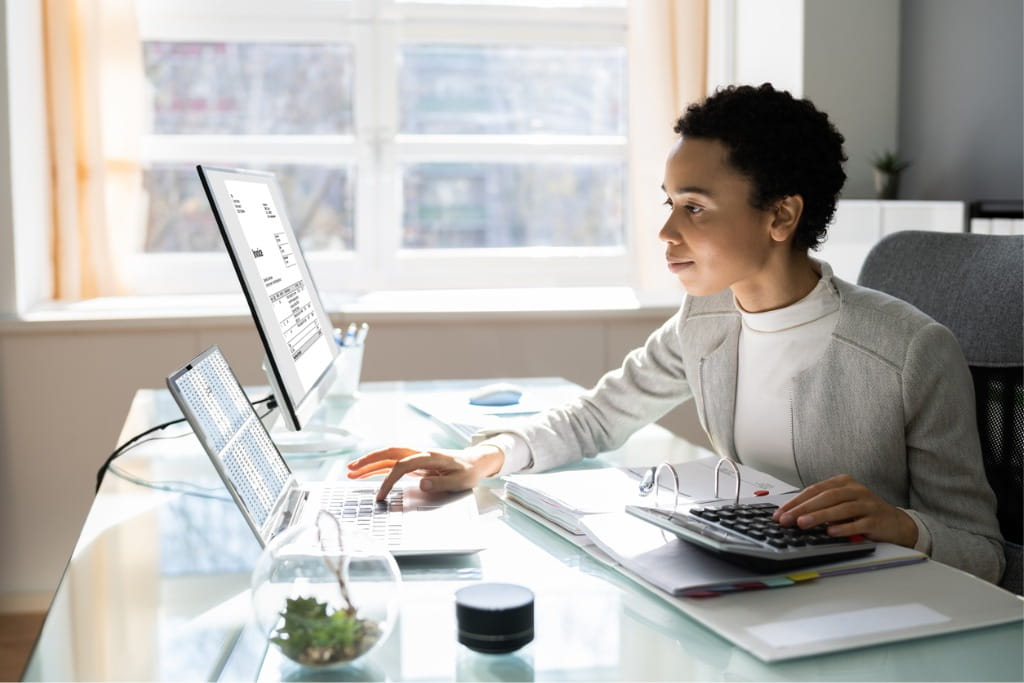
{"type": "Point", "coordinates": [888, 162]}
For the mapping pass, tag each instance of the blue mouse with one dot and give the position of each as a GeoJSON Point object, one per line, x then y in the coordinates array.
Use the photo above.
{"type": "Point", "coordinates": [497, 394]}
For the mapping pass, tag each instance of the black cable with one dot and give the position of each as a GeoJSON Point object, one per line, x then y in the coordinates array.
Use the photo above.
{"type": "Point", "coordinates": [120, 450]}
{"type": "Point", "coordinates": [182, 487]}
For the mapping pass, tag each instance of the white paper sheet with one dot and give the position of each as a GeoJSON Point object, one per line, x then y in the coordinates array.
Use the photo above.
{"type": "Point", "coordinates": [844, 625]}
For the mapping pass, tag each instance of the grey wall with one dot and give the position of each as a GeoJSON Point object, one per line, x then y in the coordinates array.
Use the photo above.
{"type": "Point", "coordinates": [962, 99]}
{"type": "Point", "coordinates": [849, 52]}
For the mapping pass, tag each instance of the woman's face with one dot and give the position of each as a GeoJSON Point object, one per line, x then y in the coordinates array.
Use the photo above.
{"type": "Point", "coordinates": [715, 238]}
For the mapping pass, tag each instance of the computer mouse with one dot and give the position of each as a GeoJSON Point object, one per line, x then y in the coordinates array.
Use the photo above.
{"type": "Point", "coordinates": [497, 394]}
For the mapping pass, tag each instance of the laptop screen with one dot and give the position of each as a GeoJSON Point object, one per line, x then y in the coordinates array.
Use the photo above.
{"type": "Point", "coordinates": [237, 442]}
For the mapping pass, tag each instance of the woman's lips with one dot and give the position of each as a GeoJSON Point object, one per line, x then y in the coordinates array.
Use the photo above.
{"type": "Point", "coordinates": [677, 266]}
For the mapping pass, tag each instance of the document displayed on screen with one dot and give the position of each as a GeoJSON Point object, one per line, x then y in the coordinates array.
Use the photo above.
{"type": "Point", "coordinates": [274, 255]}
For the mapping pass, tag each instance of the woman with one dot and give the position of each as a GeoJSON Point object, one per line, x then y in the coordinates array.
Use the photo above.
{"type": "Point", "coordinates": [852, 394]}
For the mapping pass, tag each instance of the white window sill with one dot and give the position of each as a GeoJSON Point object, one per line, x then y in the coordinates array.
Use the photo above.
{"type": "Point", "coordinates": [191, 311]}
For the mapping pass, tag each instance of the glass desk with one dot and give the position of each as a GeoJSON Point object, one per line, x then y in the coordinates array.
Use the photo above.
{"type": "Point", "coordinates": [157, 586]}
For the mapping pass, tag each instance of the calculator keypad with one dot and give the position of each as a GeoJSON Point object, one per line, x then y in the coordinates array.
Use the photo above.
{"type": "Point", "coordinates": [754, 521]}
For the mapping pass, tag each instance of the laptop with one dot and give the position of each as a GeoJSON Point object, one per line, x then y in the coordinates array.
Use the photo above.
{"type": "Point", "coordinates": [272, 499]}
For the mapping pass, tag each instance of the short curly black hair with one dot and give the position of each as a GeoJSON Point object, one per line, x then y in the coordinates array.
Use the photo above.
{"type": "Point", "coordinates": [785, 146]}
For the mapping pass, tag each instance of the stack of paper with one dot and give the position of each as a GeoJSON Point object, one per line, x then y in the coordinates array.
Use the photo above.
{"type": "Point", "coordinates": [682, 569]}
{"type": "Point", "coordinates": [566, 497]}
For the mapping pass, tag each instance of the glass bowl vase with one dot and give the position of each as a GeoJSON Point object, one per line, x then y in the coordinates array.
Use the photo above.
{"type": "Point", "coordinates": [324, 594]}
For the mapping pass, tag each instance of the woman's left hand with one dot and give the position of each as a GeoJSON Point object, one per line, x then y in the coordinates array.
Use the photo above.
{"type": "Point", "coordinates": [848, 508]}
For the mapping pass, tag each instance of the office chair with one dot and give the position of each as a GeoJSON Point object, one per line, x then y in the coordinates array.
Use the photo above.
{"type": "Point", "coordinates": [974, 285]}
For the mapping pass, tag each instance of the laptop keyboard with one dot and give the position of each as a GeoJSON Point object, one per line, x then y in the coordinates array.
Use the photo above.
{"type": "Point", "coordinates": [379, 520]}
{"type": "Point", "coordinates": [463, 431]}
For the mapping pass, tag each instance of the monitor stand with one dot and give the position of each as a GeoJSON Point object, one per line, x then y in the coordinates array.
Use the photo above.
{"type": "Point", "coordinates": [313, 440]}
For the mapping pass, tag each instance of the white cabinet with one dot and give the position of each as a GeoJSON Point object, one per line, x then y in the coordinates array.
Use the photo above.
{"type": "Point", "coordinates": [998, 226]}
{"type": "Point", "coordinates": [860, 223]}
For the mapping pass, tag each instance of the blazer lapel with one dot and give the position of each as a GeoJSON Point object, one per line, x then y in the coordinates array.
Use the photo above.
{"type": "Point", "coordinates": [718, 392]}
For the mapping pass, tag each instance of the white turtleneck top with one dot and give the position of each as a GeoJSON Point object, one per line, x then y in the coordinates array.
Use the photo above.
{"type": "Point", "coordinates": [774, 347]}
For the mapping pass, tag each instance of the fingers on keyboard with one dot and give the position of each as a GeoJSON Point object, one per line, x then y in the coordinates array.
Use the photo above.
{"type": "Point", "coordinates": [379, 467]}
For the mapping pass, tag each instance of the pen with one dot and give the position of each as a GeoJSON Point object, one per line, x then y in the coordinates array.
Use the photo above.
{"type": "Point", "coordinates": [350, 335]}
{"type": "Point", "coordinates": [364, 329]}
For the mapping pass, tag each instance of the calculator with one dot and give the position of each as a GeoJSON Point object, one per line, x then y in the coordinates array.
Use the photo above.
{"type": "Point", "coordinates": [746, 535]}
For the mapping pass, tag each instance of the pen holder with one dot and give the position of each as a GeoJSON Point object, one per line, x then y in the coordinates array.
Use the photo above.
{"type": "Point", "coordinates": [349, 365]}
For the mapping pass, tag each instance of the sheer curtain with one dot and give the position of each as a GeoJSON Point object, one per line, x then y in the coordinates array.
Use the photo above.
{"type": "Point", "coordinates": [97, 116]}
{"type": "Point", "coordinates": [668, 46]}
{"type": "Point", "coordinates": [94, 92]}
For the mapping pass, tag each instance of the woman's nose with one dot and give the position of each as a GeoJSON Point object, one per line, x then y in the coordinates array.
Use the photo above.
{"type": "Point", "coordinates": [668, 233]}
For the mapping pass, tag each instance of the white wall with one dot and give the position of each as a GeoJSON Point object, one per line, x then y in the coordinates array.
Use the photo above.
{"type": "Point", "coordinates": [25, 266]}
{"type": "Point", "coordinates": [769, 43]}
{"type": "Point", "coordinates": [7, 284]}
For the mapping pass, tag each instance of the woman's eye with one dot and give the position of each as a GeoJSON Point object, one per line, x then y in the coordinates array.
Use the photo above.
{"type": "Point", "coordinates": [691, 209]}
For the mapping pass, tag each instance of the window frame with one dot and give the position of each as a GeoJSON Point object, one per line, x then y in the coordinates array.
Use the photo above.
{"type": "Point", "coordinates": [376, 150]}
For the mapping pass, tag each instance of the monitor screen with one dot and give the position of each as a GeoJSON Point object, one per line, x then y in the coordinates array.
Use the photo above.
{"type": "Point", "coordinates": [295, 330]}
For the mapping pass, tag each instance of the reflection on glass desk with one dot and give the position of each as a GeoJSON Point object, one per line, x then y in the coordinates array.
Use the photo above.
{"type": "Point", "coordinates": [157, 587]}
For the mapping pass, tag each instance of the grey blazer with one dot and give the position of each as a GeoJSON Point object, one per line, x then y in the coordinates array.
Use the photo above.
{"type": "Point", "coordinates": [890, 403]}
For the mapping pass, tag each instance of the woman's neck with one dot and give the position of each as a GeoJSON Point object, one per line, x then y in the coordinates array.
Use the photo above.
{"type": "Point", "coordinates": [782, 284]}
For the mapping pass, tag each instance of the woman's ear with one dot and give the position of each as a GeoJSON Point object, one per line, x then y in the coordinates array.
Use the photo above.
{"type": "Point", "coordinates": [787, 217]}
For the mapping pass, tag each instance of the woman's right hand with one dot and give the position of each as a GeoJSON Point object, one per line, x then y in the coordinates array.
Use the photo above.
{"type": "Point", "coordinates": [440, 470]}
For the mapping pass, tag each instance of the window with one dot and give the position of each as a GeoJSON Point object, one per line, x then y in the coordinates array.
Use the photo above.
{"type": "Point", "coordinates": [418, 144]}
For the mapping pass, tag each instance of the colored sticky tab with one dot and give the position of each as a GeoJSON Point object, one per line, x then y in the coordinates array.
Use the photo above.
{"type": "Point", "coordinates": [804, 576]}
{"type": "Point", "coordinates": [777, 582]}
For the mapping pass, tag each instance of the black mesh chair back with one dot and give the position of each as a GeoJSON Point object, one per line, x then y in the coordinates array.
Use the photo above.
{"type": "Point", "coordinates": [974, 285]}
{"type": "Point", "coordinates": [999, 399]}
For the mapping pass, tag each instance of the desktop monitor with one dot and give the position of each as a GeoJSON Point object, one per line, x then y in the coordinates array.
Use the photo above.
{"type": "Point", "coordinates": [293, 326]}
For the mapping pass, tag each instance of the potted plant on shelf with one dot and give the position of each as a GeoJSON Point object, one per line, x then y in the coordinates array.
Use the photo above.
{"type": "Point", "coordinates": [888, 167]}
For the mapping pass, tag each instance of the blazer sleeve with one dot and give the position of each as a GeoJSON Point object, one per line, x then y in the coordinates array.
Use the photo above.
{"type": "Point", "coordinates": [949, 491]}
{"type": "Point", "coordinates": [651, 381]}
